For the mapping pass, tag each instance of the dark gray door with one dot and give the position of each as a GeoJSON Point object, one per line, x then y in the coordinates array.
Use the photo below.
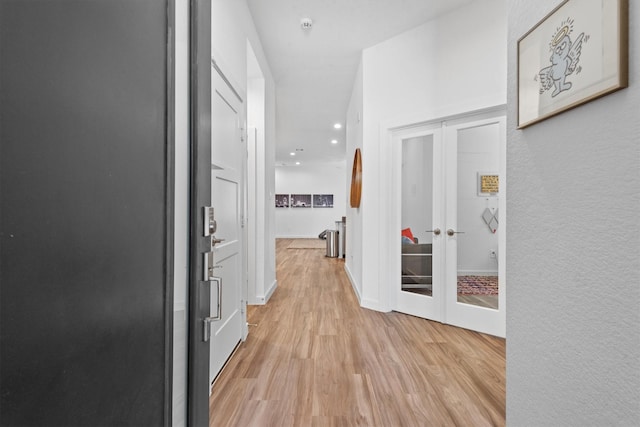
{"type": "Point", "coordinates": [85, 202]}
{"type": "Point", "coordinates": [199, 290]}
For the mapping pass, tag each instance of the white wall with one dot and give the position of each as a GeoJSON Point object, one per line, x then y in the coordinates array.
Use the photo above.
{"type": "Point", "coordinates": [256, 187]}
{"type": "Point", "coordinates": [354, 238]}
{"type": "Point", "coordinates": [573, 262]}
{"type": "Point", "coordinates": [451, 65]}
{"type": "Point", "coordinates": [310, 179]}
{"type": "Point", "coordinates": [255, 179]}
{"type": "Point", "coordinates": [233, 36]}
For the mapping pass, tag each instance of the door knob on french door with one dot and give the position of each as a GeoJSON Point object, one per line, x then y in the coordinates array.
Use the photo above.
{"type": "Point", "coordinates": [435, 231]}
{"type": "Point", "coordinates": [451, 232]}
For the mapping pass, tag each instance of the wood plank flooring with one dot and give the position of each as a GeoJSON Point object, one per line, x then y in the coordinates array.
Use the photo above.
{"type": "Point", "coordinates": [316, 358]}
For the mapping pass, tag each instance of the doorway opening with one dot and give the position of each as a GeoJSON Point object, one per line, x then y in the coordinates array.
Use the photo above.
{"type": "Point", "coordinates": [447, 237]}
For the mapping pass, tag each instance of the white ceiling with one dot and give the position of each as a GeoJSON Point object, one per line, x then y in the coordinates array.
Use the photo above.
{"type": "Point", "coordinates": [314, 70]}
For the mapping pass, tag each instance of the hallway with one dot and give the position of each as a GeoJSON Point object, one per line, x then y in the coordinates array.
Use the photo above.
{"type": "Point", "coordinates": [315, 358]}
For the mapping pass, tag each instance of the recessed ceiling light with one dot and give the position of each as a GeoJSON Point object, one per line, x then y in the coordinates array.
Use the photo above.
{"type": "Point", "coordinates": [337, 126]}
{"type": "Point", "coordinates": [297, 163]}
{"type": "Point", "coordinates": [334, 141]}
{"type": "Point", "coordinates": [292, 153]}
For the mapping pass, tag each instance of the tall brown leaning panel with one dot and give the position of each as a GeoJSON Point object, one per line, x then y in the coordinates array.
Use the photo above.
{"type": "Point", "coordinates": [356, 180]}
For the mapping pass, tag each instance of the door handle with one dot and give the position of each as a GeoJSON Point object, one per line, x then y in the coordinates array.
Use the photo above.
{"type": "Point", "coordinates": [451, 232]}
{"type": "Point", "coordinates": [208, 320]}
{"type": "Point", "coordinates": [435, 231]}
{"type": "Point", "coordinates": [215, 241]}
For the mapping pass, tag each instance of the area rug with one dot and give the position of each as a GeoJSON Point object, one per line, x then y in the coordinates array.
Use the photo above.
{"type": "Point", "coordinates": [477, 285]}
{"type": "Point", "coordinates": [307, 244]}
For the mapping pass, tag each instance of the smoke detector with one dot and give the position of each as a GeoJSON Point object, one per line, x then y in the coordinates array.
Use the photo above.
{"type": "Point", "coordinates": [306, 23]}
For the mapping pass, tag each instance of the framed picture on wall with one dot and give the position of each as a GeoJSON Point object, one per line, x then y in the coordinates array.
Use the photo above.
{"type": "Point", "coordinates": [488, 184]}
{"type": "Point", "coordinates": [577, 53]}
{"type": "Point", "coordinates": [323, 200]}
{"type": "Point", "coordinates": [282, 200]}
{"type": "Point", "coordinates": [301, 200]}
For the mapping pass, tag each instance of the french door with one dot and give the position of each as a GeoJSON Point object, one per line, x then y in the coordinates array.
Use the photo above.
{"type": "Point", "coordinates": [474, 235]}
{"type": "Point", "coordinates": [419, 185]}
{"type": "Point", "coordinates": [451, 222]}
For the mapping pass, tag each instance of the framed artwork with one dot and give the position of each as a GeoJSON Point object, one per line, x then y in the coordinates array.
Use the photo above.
{"type": "Point", "coordinates": [323, 200]}
{"type": "Point", "coordinates": [282, 200]}
{"type": "Point", "coordinates": [577, 53]}
{"type": "Point", "coordinates": [488, 184]}
{"type": "Point", "coordinates": [301, 200]}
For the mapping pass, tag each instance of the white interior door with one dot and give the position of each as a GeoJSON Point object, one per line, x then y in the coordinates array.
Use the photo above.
{"type": "Point", "coordinates": [419, 185]}
{"type": "Point", "coordinates": [227, 198]}
{"type": "Point", "coordinates": [454, 271]}
{"type": "Point", "coordinates": [475, 223]}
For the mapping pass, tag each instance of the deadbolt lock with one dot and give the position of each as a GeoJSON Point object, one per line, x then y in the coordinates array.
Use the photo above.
{"type": "Point", "coordinates": [210, 224]}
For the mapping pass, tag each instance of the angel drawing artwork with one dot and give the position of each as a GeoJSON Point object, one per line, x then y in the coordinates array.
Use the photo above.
{"type": "Point", "coordinates": [565, 55]}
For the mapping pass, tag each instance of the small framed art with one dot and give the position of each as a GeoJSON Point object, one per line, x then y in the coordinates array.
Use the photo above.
{"type": "Point", "coordinates": [301, 200]}
{"type": "Point", "coordinates": [323, 200]}
{"type": "Point", "coordinates": [282, 200]}
{"type": "Point", "coordinates": [577, 53]}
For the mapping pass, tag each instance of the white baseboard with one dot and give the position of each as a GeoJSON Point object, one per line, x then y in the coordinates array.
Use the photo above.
{"type": "Point", "coordinates": [271, 290]}
{"type": "Point", "coordinates": [353, 284]}
{"type": "Point", "coordinates": [372, 305]}
{"type": "Point", "coordinates": [364, 303]}
{"type": "Point", "coordinates": [263, 299]}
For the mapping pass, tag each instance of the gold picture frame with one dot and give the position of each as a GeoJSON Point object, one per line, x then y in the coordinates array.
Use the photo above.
{"type": "Point", "coordinates": [577, 53]}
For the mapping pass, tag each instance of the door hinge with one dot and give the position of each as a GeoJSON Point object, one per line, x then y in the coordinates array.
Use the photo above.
{"type": "Point", "coordinates": [243, 306]}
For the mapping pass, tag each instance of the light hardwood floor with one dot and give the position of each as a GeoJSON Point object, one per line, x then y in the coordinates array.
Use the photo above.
{"type": "Point", "coordinates": [316, 358]}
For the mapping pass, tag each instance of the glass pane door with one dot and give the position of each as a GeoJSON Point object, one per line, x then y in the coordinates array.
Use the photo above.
{"type": "Point", "coordinates": [418, 185]}
{"type": "Point", "coordinates": [474, 228]}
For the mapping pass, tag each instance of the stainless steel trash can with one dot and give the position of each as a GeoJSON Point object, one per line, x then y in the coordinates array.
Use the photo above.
{"type": "Point", "coordinates": [333, 243]}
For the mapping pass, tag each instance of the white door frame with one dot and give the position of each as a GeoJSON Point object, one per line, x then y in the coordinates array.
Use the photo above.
{"type": "Point", "coordinates": [390, 249]}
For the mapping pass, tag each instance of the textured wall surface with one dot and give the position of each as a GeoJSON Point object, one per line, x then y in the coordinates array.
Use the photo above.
{"type": "Point", "coordinates": [573, 253]}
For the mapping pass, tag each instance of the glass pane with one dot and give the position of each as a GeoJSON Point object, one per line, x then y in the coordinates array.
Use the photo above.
{"type": "Point", "coordinates": [477, 197]}
{"type": "Point", "coordinates": [417, 203]}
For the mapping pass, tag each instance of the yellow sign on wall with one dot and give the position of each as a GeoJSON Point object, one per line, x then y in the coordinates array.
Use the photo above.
{"type": "Point", "coordinates": [489, 184]}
